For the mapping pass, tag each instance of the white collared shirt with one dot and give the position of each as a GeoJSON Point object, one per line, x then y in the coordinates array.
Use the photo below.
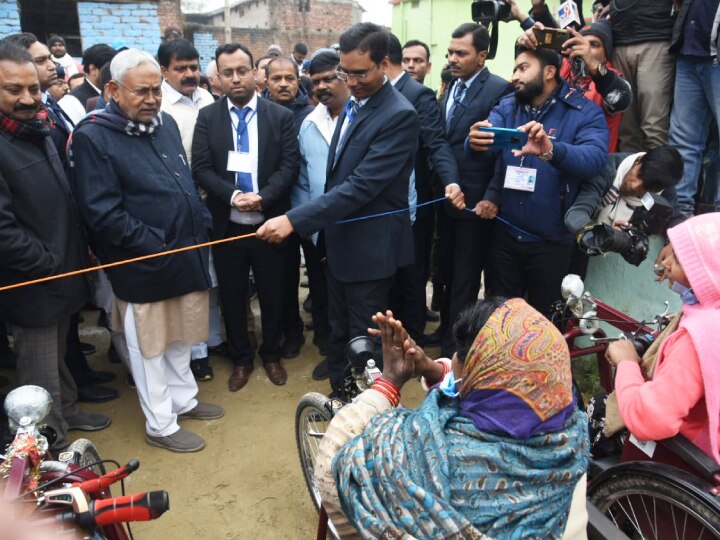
{"type": "Point", "coordinates": [172, 96]}
{"type": "Point", "coordinates": [184, 111]}
{"type": "Point", "coordinates": [68, 125]}
{"type": "Point", "coordinates": [247, 218]}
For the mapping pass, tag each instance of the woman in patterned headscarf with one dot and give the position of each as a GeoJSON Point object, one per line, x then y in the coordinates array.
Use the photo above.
{"type": "Point", "coordinates": [496, 449]}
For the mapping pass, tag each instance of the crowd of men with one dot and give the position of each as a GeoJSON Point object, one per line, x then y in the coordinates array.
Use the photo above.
{"type": "Point", "coordinates": [339, 157]}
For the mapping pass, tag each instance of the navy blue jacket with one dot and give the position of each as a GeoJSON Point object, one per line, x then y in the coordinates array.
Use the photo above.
{"type": "Point", "coordinates": [475, 169]}
{"type": "Point", "coordinates": [434, 153]}
{"type": "Point", "coordinates": [300, 106]}
{"type": "Point", "coordinates": [371, 175]}
{"type": "Point", "coordinates": [137, 196]}
{"type": "Point", "coordinates": [579, 152]}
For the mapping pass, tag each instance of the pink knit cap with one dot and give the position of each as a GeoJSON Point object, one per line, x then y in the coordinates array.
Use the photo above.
{"type": "Point", "coordinates": [696, 243]}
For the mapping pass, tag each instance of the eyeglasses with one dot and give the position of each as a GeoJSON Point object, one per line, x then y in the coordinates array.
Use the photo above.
{"type": "Point", "coordinates": [327, 80]}
{"type": "Point", "coordinates": [241, 72]}
{"type": "Point", "coordinates": [143, 91]}
{"type": "Point", "coordinates": [356, 75]}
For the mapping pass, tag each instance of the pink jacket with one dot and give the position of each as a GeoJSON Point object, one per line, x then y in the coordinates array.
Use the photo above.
{"type": "Point", "coordinates": [673, 401]}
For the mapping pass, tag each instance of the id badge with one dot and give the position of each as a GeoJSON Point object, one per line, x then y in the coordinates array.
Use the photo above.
{"type": "Point", "coordinates": [239, 162]}
{"type": "Point", "coordinates": [520, 178]}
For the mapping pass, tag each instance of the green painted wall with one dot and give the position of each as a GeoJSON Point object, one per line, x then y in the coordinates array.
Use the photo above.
{"type": "Point", "coordinates": [433, 21]}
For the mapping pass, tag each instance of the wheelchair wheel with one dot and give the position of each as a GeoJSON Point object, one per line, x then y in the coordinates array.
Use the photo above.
{"type": "Point", "coordinates": [85, 453]}
{"type": "Point", "coordinates": [312, 416]}
{"type": "Point", "coordinates": [655, 501]}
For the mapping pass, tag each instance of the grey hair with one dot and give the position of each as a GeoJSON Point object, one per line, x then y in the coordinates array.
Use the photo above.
{"type": "Point", "coordinates": [129, 59]}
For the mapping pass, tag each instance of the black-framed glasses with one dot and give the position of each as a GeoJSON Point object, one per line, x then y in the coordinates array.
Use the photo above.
{"type": "Point", "coordinates": [327, 80]}
{"type": "Point", "coordinates": [241, 72]}
{"type": "Point", "coordinates": [357, 75]}
{"type": "Point", "coordinates": [143, 91]}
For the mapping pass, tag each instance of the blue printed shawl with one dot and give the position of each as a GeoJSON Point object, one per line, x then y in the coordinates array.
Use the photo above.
{"type": "Point", "coordinates": [431, 474]}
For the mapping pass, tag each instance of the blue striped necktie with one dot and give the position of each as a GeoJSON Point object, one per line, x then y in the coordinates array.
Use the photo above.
{"type": "Point", "coordinates": [459, 94]}
{"type": "Point", "coordinates": [243, 180]}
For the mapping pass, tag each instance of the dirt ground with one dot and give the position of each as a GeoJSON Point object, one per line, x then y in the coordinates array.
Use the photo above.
{"type": "Point", "coordinates": [247, 482]}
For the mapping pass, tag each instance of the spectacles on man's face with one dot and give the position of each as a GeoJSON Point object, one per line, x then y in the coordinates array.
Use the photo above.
{"type": "Point", "coordinates": [326, 80]}
{"type": "Point", "coordinates": [143, 91]}
{"type": "Point", "coordinates": [241, 72]}
{"type": "Point", "coordinates": [356, 75]}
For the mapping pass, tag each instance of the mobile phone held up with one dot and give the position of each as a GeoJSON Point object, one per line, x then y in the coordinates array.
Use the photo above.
{"type": "Point", "coordinates": [511, 139]}
{"type": "Point", "coordinates": [551, 38]}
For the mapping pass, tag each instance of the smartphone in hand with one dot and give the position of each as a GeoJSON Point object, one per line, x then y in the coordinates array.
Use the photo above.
{"type": "Point", "coordinates": [512, 139]}
{"type": "Point", "coordinates": [551, 38]}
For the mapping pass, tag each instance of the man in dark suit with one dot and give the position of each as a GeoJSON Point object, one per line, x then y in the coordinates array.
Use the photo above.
{"type": "Point", "coordinates": [433, 154]}
{"type": "Point", "coordinates": [369, 165]}
{"type": "Point", "coordinates": [40, 235]}
{"type": "Point", "coordinates": [245, 155]}
{"type": "Point", "coordinates": [94, 58]}
{"type": "Point", "coordinates": [465, 239]}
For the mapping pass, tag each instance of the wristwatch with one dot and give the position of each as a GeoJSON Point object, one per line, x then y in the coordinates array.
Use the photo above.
{"type": "Point", "coordinates": [546, 156]}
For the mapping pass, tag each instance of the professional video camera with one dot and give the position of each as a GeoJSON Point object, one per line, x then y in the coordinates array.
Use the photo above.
{"type": "Point", "coordinates": [489, 13]}
{"type": "Point", "coordinates": [631, 240]}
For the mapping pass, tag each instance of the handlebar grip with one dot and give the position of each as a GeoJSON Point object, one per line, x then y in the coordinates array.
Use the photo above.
{"type": "Point", "coordinates": [96, 484]}
{"type": "Point", "coordinates": [136, 507]}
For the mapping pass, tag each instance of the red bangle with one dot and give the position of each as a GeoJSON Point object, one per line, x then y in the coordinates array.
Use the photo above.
{"type": "Point", "coordinates": [388, 389]}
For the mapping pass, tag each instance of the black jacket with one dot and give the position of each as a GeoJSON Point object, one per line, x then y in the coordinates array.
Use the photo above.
{"type": "Point", "coordinates": [137, 197]}
{"type": "Point", "coordinates": [370, 176]}
{"type": "Point", "coordinates": [300, 106]}
{"type": "Point", "coordinates": [594, 188]}
{"type": "Point", "coordinates": [278, 159]}
{"type": "Point", "coordinates": [641, 21]}
{"type": "Point", "coordinates": [478, 168]}
{"type": "Point", "coordinates": [434, 152]}
{"type": "Point", "coordinates": [84, 92]}
{"type": "Point", "coordinates": [41, 234]}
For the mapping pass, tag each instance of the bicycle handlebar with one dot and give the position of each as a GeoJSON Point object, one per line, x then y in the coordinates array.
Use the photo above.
{"type": "Point", "coordinates": [136, 507]}
{"type": "Point", "coordinates": [96, 484]}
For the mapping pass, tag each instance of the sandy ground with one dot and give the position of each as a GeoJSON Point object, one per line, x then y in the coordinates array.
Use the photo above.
{"type": "Point", "coordinates": [247, 482]}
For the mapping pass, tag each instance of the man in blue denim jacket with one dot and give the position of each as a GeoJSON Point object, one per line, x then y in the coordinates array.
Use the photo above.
{"type": "Point", "coordinates": [533, 187]}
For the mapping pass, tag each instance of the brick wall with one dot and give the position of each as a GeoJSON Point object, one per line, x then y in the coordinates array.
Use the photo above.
{"type": "Point", "coordinates": [136, 24]}
{"type": "Point", "coordinates": [9, 17]}
{"type": "Point", "coordinates": [170, 14]}
{"type": "Point", "coordinates": [259, 39]}
{"type": "Point", "coordinates": [206, 44]}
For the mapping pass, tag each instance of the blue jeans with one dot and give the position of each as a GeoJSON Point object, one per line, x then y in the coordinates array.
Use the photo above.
{"type": "Point", "coordinates": [697, 101]}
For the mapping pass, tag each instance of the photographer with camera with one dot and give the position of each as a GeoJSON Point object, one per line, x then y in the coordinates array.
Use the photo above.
{"type": "Point", "coordinates": [586, 65]}
{"type": "Point", "coordinates": [615, 211]}
{"type": "Point", "coordinates": [563, 140]}
{"type": "Point", "coordinates": [673, 388]}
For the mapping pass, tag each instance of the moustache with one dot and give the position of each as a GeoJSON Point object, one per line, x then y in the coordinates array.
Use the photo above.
{"type": "Point", "coordinates": [323, 93]}
{"type": "Point", "coordinates": [189, 80]}
{"type": "Point", "coordinates": [19, 107]}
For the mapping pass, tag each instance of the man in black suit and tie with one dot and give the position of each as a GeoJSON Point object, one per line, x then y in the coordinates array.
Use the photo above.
{"type": "Point", "coordinates": [245, 155]}
{"type": "Point", "coordinates": [371, 157]}
{"type": "Point", "coordinates": [433, 154]}
{"type": "Point", "coordinates": [465, 239]}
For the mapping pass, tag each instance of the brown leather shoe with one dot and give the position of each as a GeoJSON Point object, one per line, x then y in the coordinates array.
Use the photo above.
{"type": "Point", "coordinates": [276, 373]}
{"type": "Point", "coordinates": [239, 377]}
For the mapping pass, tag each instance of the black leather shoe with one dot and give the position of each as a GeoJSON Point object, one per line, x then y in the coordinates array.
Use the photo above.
{"type": "Point", "coordinates": [101, 376]}
{"type": "Point", "coordinates": [87, 348]}
{"type": "Point", "coordinates": [431, 316]}
{"type": "Point", "coordinates": [94, 393]}
{"type": "Point", "coordinates": [321, 371]}
{"type": "Point", "coordinates": [113, 355]}
{"type": "Point", "coordinates": [291, 347]}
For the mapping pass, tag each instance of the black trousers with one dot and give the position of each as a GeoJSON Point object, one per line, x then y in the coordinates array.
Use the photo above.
{"type": "Point", "coordinates": [464, 246]}
{"type": "Point", "coordinates": [292, 322]}
{"type": "Point", "coordinates": [233, 261]}
{"type": "Point", "coordinates": [408, 296]}
{"type": "Point", "coordinates": [350, 310]}
{"type": "Point", "coordinates": [74, 357]}
{"type": "Point", "coordinates": [532, 269]}
{"type": "Point", "coordinates": [318, 287]}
